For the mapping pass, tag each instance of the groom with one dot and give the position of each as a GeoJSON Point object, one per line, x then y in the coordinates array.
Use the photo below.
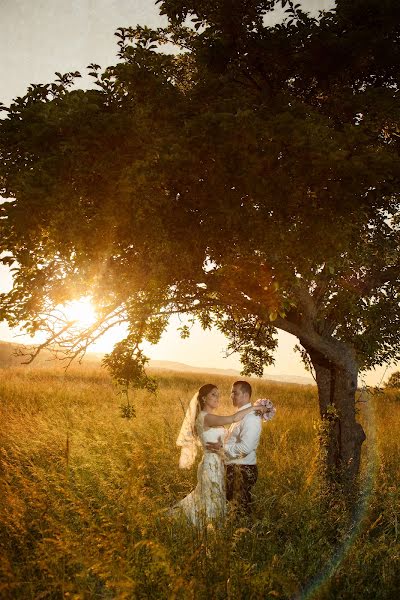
{"type": "Point", "coordinates": [240, 450]}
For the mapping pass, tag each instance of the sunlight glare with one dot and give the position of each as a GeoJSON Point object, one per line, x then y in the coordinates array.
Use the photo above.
{"type": "Point", "coordinates": [81, 311]}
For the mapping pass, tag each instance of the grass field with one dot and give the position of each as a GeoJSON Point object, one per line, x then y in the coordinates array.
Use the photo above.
{"type": "Point", "coordinates": [83, 493]}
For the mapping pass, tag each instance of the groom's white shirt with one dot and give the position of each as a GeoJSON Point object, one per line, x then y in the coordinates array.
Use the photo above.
{"type": "Point", "coordinates": [242, 440]}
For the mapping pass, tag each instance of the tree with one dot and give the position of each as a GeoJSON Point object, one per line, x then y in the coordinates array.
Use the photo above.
{"type": "Point", "coordinates": [394, 381]}
{"type": "Point", "coordinates": [250, 180]}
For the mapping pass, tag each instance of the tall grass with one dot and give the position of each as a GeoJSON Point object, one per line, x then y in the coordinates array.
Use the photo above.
{"type": "Point", "coordinates": [83, 494]}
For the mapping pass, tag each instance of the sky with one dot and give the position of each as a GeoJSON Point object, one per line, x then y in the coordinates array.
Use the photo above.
{"type": "Point", "coordinates": [40, 37]}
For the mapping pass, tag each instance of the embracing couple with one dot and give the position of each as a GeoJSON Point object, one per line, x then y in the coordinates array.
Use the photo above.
{"type": "Point", "coordinates": [228, 469]}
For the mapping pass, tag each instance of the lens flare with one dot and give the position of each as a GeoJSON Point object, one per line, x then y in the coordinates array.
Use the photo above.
{"type": "Point", "coordinates": [322, 579]}
{"type": "Point", "coordinates": [81, 312]}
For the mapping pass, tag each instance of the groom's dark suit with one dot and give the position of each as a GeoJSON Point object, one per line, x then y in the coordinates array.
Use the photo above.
{"type": "Point", "coordinates": [241, 462]}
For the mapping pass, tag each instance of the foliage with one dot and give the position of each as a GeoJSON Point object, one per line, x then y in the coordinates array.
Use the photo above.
{"type": "Point", "coordinates": [127, 365]}
{"type": "Point", "coordinates": [83, 493]}
{"type": "Point", "coordinates": [240, 178]}
{"type": "Point", "coordinates": [394, 380]}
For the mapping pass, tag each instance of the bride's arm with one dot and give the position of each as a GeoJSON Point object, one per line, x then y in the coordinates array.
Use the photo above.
{"type": "Point", "coordinates": [216, 420]}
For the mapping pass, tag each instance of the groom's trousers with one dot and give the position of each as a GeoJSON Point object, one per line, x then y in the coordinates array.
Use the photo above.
{"type": "Point", "coordinates": [239, 482]}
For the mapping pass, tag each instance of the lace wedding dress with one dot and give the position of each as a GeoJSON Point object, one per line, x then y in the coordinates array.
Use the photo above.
{"type": "Point", "coordinates": [207, 501]}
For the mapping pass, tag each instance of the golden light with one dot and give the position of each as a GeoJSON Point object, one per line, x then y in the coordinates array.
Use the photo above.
{"type": "Point", "coordinates": [81, 312]}
{"type": "Point", "coordinates": [81, 315]}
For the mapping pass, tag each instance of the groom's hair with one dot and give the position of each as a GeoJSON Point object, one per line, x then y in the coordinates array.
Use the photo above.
{"type": "Point", "coordinates": [244, 386]}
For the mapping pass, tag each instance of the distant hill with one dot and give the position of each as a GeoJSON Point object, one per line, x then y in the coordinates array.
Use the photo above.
{"type": "Point", "coordinates": [9, 358]}
{"type": "Point", "coordinates": [46, 360]}
{"type": "Point", "coordinates": [177, 366]}
{"type": "Point", "coordinates": [7, 355]}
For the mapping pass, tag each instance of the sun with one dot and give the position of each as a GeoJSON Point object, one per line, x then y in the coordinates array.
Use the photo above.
{"type": "Point", "coordinates": [81, 312]}
{"type": "Point", "coordinates": [83, 320]}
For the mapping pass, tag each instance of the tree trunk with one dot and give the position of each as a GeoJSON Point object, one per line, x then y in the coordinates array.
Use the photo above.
{"type": "Point", "coordinates": [336, 369]}
{"type": "Point", "coordinates": [343, 435]}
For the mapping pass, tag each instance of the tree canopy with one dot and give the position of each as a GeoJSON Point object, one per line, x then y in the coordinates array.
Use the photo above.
{"type": "Point", "coordinates": [249, 178]}
{"type": "Point", "coordinates": [394, 381]}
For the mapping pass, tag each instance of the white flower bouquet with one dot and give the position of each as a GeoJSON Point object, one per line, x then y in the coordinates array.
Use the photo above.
{"type": "Point", "coordinates": [266, 416]}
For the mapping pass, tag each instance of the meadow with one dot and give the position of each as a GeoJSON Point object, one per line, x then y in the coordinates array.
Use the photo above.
{"type": "Point", "coordinates": [83, 493]}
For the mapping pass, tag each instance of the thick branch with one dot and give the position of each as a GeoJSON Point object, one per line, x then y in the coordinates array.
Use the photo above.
{"type": "Point", "coordinates": [332, 349]}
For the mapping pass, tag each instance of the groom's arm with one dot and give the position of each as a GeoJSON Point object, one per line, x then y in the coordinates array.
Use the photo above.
{"type": "Point", "coordinates": [249, 437]}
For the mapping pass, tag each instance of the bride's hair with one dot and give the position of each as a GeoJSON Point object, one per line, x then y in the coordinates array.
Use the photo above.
{"type": "Point", "coordinates": [203, 392]}
{"type": "Point", "coordinates": [201, 397]}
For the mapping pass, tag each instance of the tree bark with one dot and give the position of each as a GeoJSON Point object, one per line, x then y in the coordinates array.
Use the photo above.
{"type": "Point", "coordinates": [336, 370]}
{"type": "Point", "coordinates": [343, 435]}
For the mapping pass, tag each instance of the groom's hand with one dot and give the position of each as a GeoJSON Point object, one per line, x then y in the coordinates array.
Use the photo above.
{"type": "Point", "coordinates": [214, 447]}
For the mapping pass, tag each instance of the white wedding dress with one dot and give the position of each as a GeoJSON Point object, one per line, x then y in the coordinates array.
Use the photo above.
{"type": "Point", "coordinates": [207, 502]}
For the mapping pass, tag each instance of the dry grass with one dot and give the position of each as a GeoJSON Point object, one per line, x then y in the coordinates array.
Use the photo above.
{"type": "Point", "coordinates": [82, 494]}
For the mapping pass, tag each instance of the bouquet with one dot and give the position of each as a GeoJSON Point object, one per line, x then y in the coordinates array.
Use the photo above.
{"type": "Point", "coordinates": [267, 416]}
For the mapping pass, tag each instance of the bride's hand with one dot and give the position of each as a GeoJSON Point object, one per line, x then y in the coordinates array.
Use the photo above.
{"type": "Point", "coordinates": [215, 447]}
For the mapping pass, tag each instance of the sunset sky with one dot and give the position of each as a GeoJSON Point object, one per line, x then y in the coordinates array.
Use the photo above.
{"type": "Point", "coordinates": [40, 37]}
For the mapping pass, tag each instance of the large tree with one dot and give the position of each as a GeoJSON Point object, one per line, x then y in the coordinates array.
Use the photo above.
{"type": "Point", "coordinates": [247, 175]}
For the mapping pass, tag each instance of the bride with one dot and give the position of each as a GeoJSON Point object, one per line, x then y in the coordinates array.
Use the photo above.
{"type": "Point", "coordinates": [200, 426]}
